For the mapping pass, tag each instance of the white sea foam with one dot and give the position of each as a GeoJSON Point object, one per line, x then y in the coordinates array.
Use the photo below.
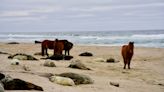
{"type": "Point", "coordinates": [157, 36]}
{"type": "Point", "coordinates": [147, 39]}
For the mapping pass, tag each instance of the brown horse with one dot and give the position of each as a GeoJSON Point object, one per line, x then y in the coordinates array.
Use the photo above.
{"type": "Point", "coordinates": [45, 45]}
{"type": "Point", "coordinates": [127, 53]}
{"type": "Point", "coordinates": [49, 44]}
{"type": "Point", "coordinates": [58, 47]}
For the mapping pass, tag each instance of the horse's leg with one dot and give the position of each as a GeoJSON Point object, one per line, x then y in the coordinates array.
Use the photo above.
{"type": "Point", "coordinates": [124, 63]}
{"type": "Point", "coordinates": [42, 51]}
{"type": "Point", "coordinates": [129, 62]}
{"type": "Point", "coordinates": [54, 51]}
{"type": "Point", "coordinates": [47, 52]}
{"type": "Point", "coordinates": [61, 52]}
{"type": "Point", "coordinates": [65, 52]}
{"type": "Point", "coordinates": [68, 52]}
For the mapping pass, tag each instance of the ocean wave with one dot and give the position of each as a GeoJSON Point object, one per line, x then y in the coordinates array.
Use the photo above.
{"type": "Point", "coordinates": [110, 39]}
{"type": "Point", "coordinates": [119, 37]}
{"type": "Point", "coordinates": [157, 36]}
{"type": "Point", "coordinates": [26, 36]}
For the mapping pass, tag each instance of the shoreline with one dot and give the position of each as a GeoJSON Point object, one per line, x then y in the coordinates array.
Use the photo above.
{"type": "Point", "coordinates": [91, 45]}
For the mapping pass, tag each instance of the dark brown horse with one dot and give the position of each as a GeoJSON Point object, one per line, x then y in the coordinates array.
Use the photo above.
{"type": "Point", "coordinates": [127, 53]}
{"type": "Point", "coordinates": [49, 44]}
{"type": "Point", "coordinates": [67, 46]}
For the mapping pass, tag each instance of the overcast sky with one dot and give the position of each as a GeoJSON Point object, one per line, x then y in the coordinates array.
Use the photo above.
{"type": "Point", "coordinates": [80, 15]}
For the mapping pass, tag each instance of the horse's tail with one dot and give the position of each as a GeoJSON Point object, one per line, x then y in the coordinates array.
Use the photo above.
{"type": "Point", "coordinates": [68, 46]}
{"type": "Point", "coordinates": [71, 45]}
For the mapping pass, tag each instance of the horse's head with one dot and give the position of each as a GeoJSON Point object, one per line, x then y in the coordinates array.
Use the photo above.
{"type": "Point", "coordinates": [131, 43]}
{"type": "Point", "coordinates": [55, 42]}
{"type": "Point", "coordinates": [131, 46]}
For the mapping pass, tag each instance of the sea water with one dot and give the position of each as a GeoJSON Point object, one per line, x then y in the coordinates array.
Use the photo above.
{"type": "Point", "coordinates": [148, 38]}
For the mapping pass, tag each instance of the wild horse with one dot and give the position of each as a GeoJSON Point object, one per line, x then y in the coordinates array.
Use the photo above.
{"type": "Point", "coordinates": [56, 45]}
{"type": "Point", "coordinates": [127, 53]}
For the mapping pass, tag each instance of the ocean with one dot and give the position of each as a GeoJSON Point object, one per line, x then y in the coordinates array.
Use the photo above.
{"type": "Point", "coordinates": [148, 38]}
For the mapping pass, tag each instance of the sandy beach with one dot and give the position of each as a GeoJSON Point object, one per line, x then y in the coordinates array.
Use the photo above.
{"type": "Point", "coordinates": [146, 73]}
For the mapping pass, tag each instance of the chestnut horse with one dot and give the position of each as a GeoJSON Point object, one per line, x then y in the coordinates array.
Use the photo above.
{"type": "Point", "coordinates": [58, 47]}
{"type": "Point", "coordinates": [127, 53]}
{"type": "Point", "coordinates": [45, 45]}
{"type": "Point", "coordinates": [49, 44]}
